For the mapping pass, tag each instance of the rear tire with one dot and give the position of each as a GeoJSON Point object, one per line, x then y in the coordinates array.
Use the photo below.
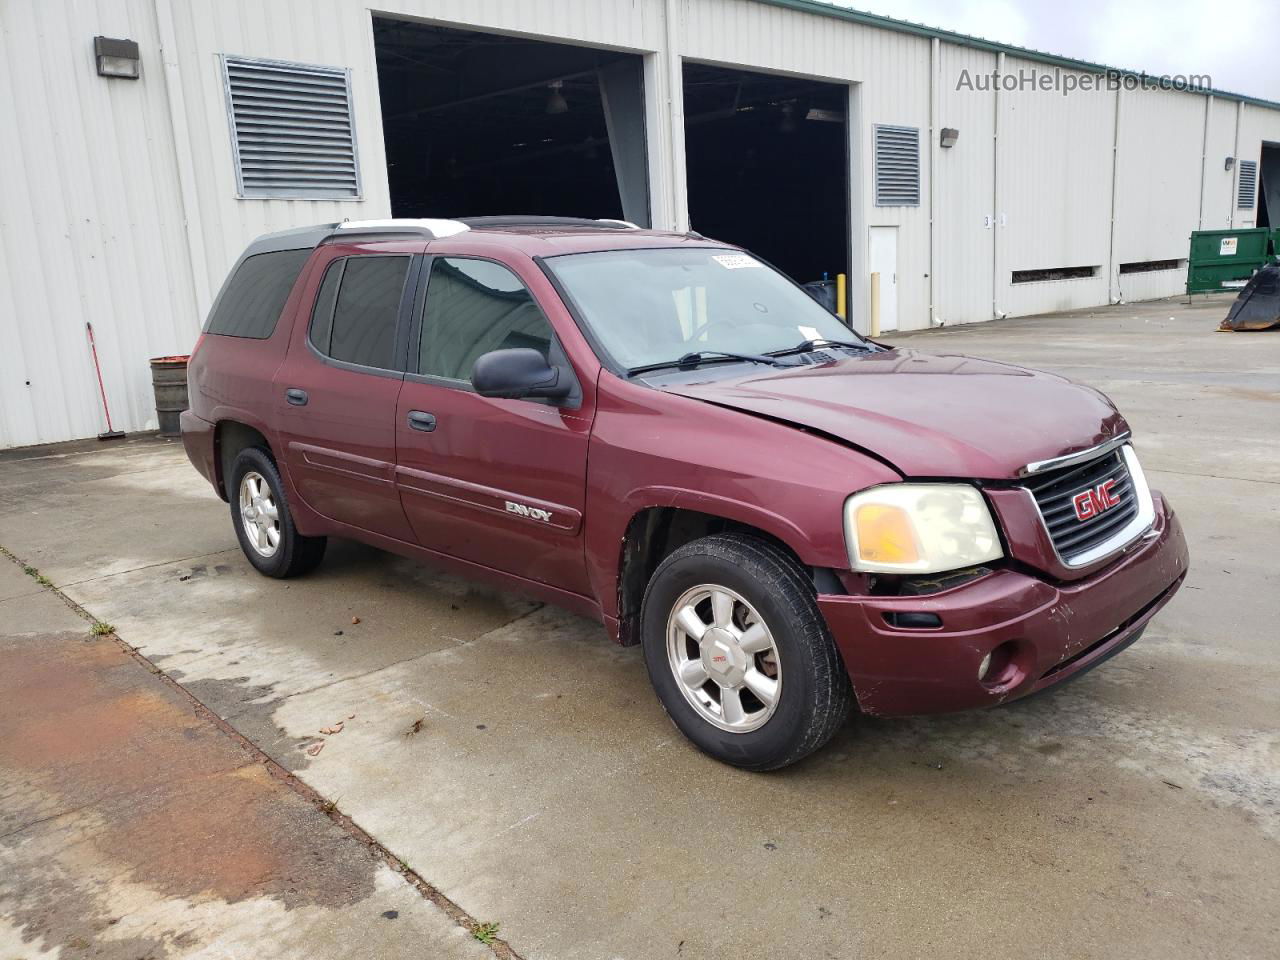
{"type": "Point", "coordinates": [763, 686]}
{"type": "Point", "coordinates": [263, 523]}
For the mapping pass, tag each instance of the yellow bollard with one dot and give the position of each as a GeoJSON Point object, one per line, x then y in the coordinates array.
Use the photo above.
{"type": "Point", "coordinates": [874, 330]}
{"type": "Point", "coordinates": [841, 294]}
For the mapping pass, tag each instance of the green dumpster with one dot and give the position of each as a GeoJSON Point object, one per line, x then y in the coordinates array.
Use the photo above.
{"type": "Point", "coordinates": [1225, 259]}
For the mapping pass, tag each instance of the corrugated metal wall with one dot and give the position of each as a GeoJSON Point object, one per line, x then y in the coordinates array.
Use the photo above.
{"type": "Point", "coordinates": [120, 205]}
{"type": "Point", "coordinates": [90, 223]}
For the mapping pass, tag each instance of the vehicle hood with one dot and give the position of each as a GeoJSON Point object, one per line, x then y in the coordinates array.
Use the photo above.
{"type": "Point", "coordinates": [928, 415]}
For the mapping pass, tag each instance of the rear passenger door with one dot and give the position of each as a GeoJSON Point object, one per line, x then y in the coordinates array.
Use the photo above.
{"type": "Point", "coordinates": [496, 482]}
{"type": "Point", "coordinates": [336, 392]}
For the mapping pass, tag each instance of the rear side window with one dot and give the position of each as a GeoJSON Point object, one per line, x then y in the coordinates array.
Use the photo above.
{"type": "Point", "coordinates": [357, 309]}
{"type": "Point", "coordinates": [251, 302]}
{"type": "Point", "coordinates": [472, 307]}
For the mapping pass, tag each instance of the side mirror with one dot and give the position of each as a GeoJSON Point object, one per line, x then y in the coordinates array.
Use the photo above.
{"type": "Point", "coordinates": [516, 373]}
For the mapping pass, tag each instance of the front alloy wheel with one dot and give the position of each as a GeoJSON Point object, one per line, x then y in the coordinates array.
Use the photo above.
{"type": "Point", "coordinates": [724, 658]}
{"type": "Point", "coordinates": [724, 620]}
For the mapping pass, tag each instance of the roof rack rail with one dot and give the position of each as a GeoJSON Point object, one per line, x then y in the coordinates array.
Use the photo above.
{"type": "Point", "coordinates": [520, 220]}
{"type": "Point", "coordinates": [432, 229]}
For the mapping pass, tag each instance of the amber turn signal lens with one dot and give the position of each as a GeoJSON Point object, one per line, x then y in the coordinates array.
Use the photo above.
{"type": "Point", "coordinates": [885, 534]}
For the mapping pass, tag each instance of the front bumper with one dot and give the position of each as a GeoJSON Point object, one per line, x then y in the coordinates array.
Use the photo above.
{"type": "Point", "coordinates": [1042, 632]}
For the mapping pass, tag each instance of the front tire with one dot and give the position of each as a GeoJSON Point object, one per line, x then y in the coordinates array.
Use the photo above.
{"type": "Point", "coordinates": [740, 655]}
{"type": "Point", "coordinates": [264, 525]}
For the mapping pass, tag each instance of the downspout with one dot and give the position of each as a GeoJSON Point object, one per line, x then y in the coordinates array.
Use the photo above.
{"type": "Point", "coordinates": [675, 114]}
{"type": "Point", "coordinates": [1112, 269]}
{"type": "Point", "coordinates": [1204, 155]}
{"type": "Point", "coordinates": [995, 194]}
{"type": "Point", "coordinates": [935, 67]}
{"type": "Point", "coordinates": [183, 158]}
{"type": "Point", "coordinates": [1235, 169]}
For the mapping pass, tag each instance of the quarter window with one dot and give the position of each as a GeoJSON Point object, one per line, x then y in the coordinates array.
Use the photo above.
{"type": "Point", "coordinates": [472, 307]}
{"type": "Point", "coordinates": [250, 303]}
{"type": "Point", "coordinates": [357, 309]}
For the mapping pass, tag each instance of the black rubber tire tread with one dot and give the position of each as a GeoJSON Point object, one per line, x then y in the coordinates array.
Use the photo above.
{"type": "Point", "coordinates": [778, 588]}
{"type": "Point", "coordinates": [297, 554]}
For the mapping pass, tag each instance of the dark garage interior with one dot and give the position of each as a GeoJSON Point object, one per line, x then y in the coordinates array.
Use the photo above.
{"type": "Point", "coordinates": [767, 166]}
{"type": "Point", "coordinates": [478, 124]}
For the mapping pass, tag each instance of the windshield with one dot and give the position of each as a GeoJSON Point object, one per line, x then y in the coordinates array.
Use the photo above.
{"type": "Point", "coordinates": [650, 306]}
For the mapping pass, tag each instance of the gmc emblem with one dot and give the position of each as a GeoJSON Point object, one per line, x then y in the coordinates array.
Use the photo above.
{"type": "Point", "coordinates": [1090, 503]}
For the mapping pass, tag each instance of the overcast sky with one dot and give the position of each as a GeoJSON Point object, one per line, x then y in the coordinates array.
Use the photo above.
{"type": "Point", "coordinates": [1234, 43]}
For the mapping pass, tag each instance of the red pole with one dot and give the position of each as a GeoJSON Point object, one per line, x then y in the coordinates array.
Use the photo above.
{"type": "Point", "coordinates": [111, 433]}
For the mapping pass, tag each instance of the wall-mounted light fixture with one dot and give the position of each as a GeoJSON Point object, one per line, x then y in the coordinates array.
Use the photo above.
{"type": "Point", "coordinates": [948, 137]}
{"type": "Point", "coordinates": [1228, 163]}
{"type": "Point", "coordinates": [117, 58]}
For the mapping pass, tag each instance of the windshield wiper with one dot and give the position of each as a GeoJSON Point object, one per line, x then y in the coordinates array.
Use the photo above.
{"type": "Point", "coordinates": [701, 356]}
{"type": "Point", "coordinates": [808, 346]}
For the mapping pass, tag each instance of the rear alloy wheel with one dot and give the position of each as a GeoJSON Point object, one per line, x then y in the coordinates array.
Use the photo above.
{"type": "Point", "coordinates": [260, 514]}
{"type": "Point", "coordinates": [725, 621]}
{"type": "Point", "coordinates": [264, 525]}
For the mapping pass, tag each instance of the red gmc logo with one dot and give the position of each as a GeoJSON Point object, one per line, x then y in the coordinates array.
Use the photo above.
{"type": "Point", "coordinates": [1090, 503]}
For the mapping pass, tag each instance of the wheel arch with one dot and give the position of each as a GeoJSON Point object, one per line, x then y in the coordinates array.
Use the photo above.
{"type": "Point", "coordinates": [654, 532]}
{"type": "Point", "coordinates": [229, 438]}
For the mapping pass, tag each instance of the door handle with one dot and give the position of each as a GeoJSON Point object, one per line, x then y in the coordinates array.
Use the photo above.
{"type": "Point", "coordinates": [421, 420]}
{"type": "Point", "coordinates": [297, 397]}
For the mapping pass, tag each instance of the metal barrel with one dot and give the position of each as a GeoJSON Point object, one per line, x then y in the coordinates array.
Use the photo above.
{"type": "Point", "coordinates": [169, 382]}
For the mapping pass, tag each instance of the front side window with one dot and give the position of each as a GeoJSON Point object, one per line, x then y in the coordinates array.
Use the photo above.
{"type": "Point", "coordinates": [472, 307]}
{"type": "Point", "coordinates": [250, 303]}
{"type": "Point", "coordinates": [357, 309]}
{"type": "Point", "coordinates": [655, 305]}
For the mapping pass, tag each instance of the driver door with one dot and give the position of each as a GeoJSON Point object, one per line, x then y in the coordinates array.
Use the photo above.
{"type": "Point", "coordinates": [499, 483]}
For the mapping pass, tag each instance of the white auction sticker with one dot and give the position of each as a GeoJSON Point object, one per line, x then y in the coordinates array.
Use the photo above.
{"type": "Point", "coordinates": [735, 261]}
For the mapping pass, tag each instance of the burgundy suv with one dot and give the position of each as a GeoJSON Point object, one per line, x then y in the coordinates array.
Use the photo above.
{"type": "Point", "coordinates": [664, 433]}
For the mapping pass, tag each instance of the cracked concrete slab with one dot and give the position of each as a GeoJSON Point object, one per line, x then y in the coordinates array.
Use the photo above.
{"type": "Point", "coordinates": [519, 761]}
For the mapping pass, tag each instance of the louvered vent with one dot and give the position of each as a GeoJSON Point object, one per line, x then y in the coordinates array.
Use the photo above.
{"type": "Point", "coordinates": [1247, 185]}
{"type": "Point", "coordinates": [291, 129]}
{"type": "Point", "coordinates": [897, 166]}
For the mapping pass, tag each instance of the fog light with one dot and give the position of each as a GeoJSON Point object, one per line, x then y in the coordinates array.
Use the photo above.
{"type": "Point", "coordinates": [984, 666]}
{"type": "Point", "coordinates": [1003, 667]}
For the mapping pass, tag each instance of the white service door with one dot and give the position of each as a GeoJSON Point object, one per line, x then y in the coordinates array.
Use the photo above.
{"type": "Point", "coordinates": [884, 261]}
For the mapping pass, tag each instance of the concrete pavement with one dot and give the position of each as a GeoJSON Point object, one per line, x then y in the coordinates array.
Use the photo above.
{"type": "Point", "coordinates": [518, 761]}
{"type": "Point", "coordinates": [133, 827]}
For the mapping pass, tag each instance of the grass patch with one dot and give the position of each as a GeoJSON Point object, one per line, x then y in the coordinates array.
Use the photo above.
{"type": "Point", "coordinates": [39, 577]}
{"type": "Point", "coordinates": [486, 933]}
{"type": "Point", "coordinates": [101, 629]}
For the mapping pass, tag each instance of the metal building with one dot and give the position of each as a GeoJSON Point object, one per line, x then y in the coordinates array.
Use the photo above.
{"type": "Point", "coordinates": [136, 166]}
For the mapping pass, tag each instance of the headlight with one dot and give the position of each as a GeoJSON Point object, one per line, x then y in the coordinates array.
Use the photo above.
{"type": "Point", "coordinates": [919, 528]}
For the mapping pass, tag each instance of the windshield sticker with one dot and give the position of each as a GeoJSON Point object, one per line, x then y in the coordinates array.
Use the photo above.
{"type": "Point", "coordinates": [735, 261]}
{"type": "Point", "coordinates": [810, 333]}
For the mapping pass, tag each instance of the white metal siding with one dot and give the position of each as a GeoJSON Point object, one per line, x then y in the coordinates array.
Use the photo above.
{"type": "Point", "coordinates": [1157, 203]}
{"type": "Point", "coordinates": [965, 179]}
{"type": "Point", "coordinates": [90, 223]}
{"type": "Point", "coordinates": [1054, 195]}
{"type": "Point", "coordinates": [1217, 203]}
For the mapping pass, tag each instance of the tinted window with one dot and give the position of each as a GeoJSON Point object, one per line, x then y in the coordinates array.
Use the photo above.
{"type": "Point", "coordinates": [252, 299]}
{"type": "Point", "coordinates": [474, 306]}
{"type": "Point", "coordinates": [322, 313]}
{"type": "Point", "coordinates": [357, 308]}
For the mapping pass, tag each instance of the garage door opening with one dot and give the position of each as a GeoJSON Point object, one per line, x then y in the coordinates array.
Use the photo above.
{"type": "Point", "coordinates": [767, 162]}
{"type": "Point", "coordinates": [478, 124]}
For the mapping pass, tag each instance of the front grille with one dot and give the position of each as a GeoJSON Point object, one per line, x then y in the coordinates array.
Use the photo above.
{"type": "Point", "coordinates": [1055, 494]}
